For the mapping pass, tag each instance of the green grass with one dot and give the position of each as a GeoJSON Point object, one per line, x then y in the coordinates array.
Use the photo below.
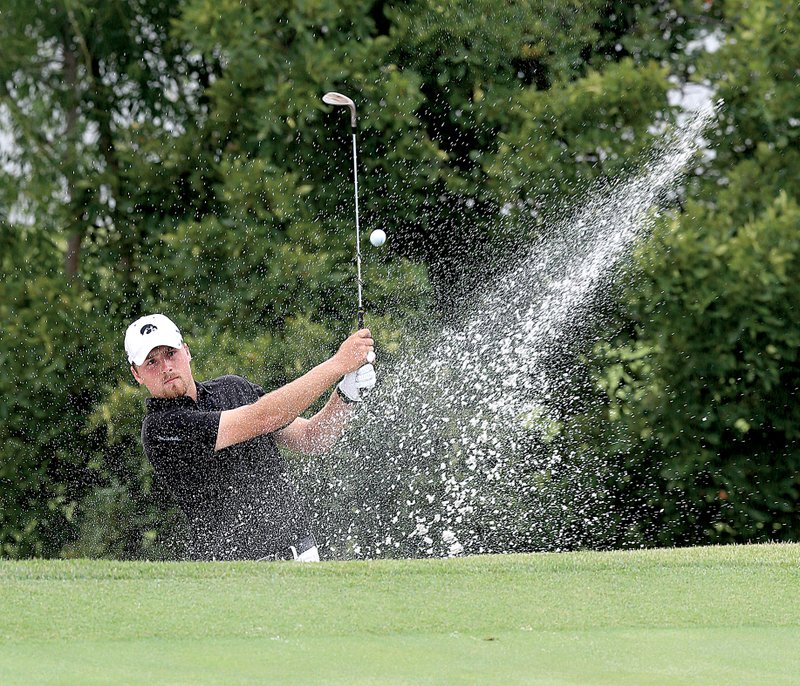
{"type": "Point", "coordinates": [727, 615]}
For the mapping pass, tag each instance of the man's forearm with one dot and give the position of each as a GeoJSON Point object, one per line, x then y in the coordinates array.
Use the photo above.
{"type": "Point", "coordinates": [319, 433]}
{"type": "Point", "coordinates": [291, 400]}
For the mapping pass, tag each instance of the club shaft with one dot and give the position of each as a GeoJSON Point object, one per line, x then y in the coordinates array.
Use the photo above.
{"type": "Point", "coordinates": [358, 239]}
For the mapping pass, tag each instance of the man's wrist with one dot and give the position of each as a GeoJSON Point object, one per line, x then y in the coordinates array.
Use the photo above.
{"type": "Point", "coordinates": [344, 397]}
{"type": "Point", "coordinates": [336, 367]}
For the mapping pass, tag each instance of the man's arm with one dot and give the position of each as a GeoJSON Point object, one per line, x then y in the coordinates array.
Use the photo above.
{"type": "Point", "coordinates": [318, 434]}
{"type": "Point", "coordinates": [282, 406]}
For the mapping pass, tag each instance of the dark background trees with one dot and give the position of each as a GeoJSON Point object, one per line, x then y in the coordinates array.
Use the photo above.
{"type": "Point", "coordinates": [704, 382]}
{"type": "Point", "coordinates": [175, 156]}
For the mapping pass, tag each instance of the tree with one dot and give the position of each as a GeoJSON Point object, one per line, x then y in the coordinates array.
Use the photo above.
{"type": "Point", "coordinates": [702, 394]}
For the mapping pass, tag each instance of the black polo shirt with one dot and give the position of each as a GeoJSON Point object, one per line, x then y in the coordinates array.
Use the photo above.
{"type": "Point", "coordinates": [239, 501]}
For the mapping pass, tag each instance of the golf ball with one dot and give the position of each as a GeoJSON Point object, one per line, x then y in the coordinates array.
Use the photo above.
{"type": "Point", "coordinates": [377, 238]}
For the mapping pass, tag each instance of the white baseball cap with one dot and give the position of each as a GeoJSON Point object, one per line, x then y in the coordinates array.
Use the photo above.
{"type": "Point", "coordinates": [150, 332]}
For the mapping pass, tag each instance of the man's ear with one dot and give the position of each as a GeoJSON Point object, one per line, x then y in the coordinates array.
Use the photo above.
{"type": "Point", "coordinates": [188, 352]}
{"type": "Point", "coordinates": [136, 374]}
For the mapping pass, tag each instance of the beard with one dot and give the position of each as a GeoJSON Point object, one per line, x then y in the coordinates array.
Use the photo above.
{"type": "Point", "coordinates": [175, 389]}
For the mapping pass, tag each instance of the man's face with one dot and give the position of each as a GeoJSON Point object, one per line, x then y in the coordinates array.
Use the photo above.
{"type": "Point", "coordinates": [166, 372]}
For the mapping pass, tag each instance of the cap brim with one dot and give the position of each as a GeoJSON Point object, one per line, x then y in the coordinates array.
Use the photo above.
{"type": "Point", "coordinates": [141, 355]}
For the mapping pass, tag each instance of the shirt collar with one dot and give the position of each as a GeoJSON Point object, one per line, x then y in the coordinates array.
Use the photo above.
{"type": "Point", "coordinates": [160, 404]}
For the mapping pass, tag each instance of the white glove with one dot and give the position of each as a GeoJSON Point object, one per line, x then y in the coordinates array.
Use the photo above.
{"type": "Point", "coordinates": [363, 379]}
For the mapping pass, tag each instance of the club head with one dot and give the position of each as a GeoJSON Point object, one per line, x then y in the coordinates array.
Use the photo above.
{"type": "Point", "coordinates": [340, 100]}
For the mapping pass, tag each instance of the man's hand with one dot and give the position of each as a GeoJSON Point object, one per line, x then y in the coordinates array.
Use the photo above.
{"type": "Point", "coordinates": [352, 354]}
{"type": "Point", "coordinates": [355, 382]}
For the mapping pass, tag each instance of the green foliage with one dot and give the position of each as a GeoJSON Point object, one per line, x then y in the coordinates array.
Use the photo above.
{"type": "Point", "coordinates": [755, 72]}
{"type": "Point", "coordinates": [52, 355]}
{"type": "Point", "coordinates": [549, 147]}
{"type": "Point", "coordinates": [702, 398]}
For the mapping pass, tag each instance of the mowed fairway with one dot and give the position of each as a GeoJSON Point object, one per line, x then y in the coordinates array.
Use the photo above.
{"type": "Point", "coordinates": [728, 615]}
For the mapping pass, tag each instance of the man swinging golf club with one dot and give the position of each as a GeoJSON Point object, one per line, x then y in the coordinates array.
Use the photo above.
{"type": "Point", "coordinates": [214, 444]}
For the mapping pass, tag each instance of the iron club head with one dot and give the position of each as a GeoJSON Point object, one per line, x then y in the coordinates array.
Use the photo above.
{"type": "Point", "coordinates": [340, 100]}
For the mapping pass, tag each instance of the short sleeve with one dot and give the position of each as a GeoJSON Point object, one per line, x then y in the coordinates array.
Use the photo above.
{"type": "Point", "coordinates": [181, 428]}
{"type": "Point", "coordinates": [257, 389]}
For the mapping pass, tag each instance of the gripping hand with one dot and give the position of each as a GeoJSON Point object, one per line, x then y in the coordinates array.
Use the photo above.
{"type": "Point", "coordinates": [351, 388]}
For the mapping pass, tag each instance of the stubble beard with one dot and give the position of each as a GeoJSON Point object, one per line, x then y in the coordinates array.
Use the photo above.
{"type": "Point", "coordinates": [176, 389]}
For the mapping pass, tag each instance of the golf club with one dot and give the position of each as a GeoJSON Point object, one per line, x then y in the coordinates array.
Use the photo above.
{"type": "Point", "coordinates": [340, 100]}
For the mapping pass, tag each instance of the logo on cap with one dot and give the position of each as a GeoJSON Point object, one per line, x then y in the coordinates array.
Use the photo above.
{"type": "Point", "coordinates": [147, 328]}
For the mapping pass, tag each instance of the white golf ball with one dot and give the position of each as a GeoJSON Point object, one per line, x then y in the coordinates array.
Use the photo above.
{"type": "Point", "coordinates": [377, 238]}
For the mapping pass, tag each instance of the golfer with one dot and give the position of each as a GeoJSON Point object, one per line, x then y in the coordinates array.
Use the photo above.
{"type": "Point", "coordinates": [214, 444]}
